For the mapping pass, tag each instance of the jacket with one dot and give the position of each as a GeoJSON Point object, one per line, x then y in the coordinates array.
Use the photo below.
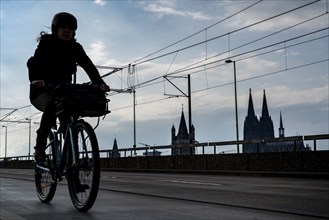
{"type": "Point", "coordinates": [56, 62]}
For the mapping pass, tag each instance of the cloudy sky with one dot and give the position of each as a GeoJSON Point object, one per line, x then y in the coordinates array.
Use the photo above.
{"type": "Point", "coordinates": [279, 46]}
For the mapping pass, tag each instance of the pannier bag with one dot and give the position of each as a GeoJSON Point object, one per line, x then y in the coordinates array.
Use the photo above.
{"type": "Point", "coordinates": [82, 100]}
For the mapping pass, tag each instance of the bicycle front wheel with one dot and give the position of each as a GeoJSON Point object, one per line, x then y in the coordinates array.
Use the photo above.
{"type": "Point", "coordinates": [83, 177]}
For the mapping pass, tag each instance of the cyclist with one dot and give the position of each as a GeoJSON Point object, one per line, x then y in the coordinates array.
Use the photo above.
{"type": "Point", "coordinates": [54, 62]}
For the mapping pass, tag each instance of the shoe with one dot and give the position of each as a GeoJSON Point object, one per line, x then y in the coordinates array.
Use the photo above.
{"type": "Point", "coordinates": [39, 155]}
{"type": "Point", "coordinates": [79, 188]}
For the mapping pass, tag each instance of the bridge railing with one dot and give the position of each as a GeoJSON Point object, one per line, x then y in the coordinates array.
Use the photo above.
{"type": "Point", "coordinates": [200, 148]}
{"type": "Point", "coordinates": [315, 138]}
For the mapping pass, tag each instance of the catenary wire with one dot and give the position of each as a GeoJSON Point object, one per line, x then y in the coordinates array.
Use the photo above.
{"type": "Point", "coordinates": [221, 35]}
{"type": "Point", "coordinates": [198, 32]}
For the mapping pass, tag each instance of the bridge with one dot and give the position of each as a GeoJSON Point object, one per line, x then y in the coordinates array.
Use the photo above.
{"type": "Point", "coordinates": [206, 185]}
{"type": "Point", "coordinates": [209, 158]}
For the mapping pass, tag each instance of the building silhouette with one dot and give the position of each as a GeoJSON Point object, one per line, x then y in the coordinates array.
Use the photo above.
{"type": "Point", "coordinates": [264, 129]}
{"type": "Point", "coordinates": [181, 141]}
{"type": "Point", "coordinates": [115, 152]}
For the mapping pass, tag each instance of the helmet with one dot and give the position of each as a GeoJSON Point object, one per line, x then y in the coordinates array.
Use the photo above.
{"type": "Point", "coordinates": [64, 18]}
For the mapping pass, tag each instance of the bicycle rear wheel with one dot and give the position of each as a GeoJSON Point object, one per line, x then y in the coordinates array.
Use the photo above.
{"type": "Point", "coordinates": [45, 174]}
{"type": "Point", "coordinates": [87, 170]}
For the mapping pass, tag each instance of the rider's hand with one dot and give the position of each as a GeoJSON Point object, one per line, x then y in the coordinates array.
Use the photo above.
{"type": "Point", "coordinates": [104, 87]}
{"type": "Point", "coordinates": [38, 83]}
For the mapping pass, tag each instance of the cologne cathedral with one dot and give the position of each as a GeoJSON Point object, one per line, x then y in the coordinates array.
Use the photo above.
{"type": "Point", "coordinates": [263, 128]}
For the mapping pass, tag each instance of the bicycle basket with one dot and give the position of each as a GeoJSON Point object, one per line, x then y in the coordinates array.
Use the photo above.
{"type": "Point", "coordinates": [83, 101]}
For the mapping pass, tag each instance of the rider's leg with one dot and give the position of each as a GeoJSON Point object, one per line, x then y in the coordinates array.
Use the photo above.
{"type": "Point", "coordinates": [47, 121]}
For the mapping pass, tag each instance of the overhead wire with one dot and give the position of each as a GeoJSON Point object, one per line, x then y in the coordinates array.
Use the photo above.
{"type": "Point", "coordinates": [138, 61]}
{"type": "Point", "coordinates": [265, 74]}
{"type": "Point", "coordinates": [222, 35]}
{"type": "Point", "coordinates": [243, 53]}
{"type": "Point", "coordinates": [254, 41]}
{"type": "Point", "coordinates": [149, 82]}
{"type": "Point", "coordinates": [142, 60]}
{"type": "Point", "coordinates": [230, 83]}
{"type": "Point", "coordinates": [198, 32]}
{"type": "Point", "coordinates": [252, 56]}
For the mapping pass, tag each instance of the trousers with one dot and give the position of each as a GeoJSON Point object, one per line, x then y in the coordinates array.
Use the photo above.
{"type": "Point", "coordinates": [44, 103]}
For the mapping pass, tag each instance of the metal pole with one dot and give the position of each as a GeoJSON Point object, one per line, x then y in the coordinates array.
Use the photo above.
{"type": "Point", "coordinates": [190, 112]}
{"type": "Point", "coordinates": [5, 141]}
{"type": "Point", "coordinates": [134, 97]}
{"type": "Point", "coordinates": [189, 107]}
{"type": "Point", "coordinates": [236, 110]}
{"type": "Point", "coordinates": [30, 137]}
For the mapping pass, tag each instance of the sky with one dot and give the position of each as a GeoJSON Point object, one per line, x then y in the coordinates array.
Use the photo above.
{"type": "Point", "coordinates": [281, 47]}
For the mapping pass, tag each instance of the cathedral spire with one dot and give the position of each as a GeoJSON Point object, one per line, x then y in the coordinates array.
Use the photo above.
{"type": "Point", "coordinates": [251, 111]}
{"type": "Point", "coordinates": [265, 113]}
{"type": "Point", "coordinates": [115, 144]}
{"type": "Point", "coordinates": [115, 151]}
{"type": "Point", "coordinates": [265, 122]}
{"type": "Point", "coordinates": [281, 129]}
{"type": "Point", "coordinates": [251, 127]}
{"type": "Point", "coordinates": [182, 130]}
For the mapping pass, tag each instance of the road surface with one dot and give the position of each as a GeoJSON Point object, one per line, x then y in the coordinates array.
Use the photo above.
{"type": "Point", "coordinates": [125, 195]}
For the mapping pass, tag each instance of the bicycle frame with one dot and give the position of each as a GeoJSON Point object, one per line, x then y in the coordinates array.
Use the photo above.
{"type": "Point", "coordinates": [61, 150]}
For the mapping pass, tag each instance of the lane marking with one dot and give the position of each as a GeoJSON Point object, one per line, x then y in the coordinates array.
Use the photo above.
{"type": "Point", "coordinates": [192, 182]}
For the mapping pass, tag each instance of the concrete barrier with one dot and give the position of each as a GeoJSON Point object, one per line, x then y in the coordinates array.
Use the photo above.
{"type": "Point", "coordinates": [275, 162]}
{"type": "Point", "coordinates": [306, 161]}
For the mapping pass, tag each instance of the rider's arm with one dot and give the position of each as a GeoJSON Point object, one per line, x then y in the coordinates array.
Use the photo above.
{"type": "Point", "coordinates": [37, 64]}
{"type": "Point", "coordinates": [33, 70]}
{"type": "Point", "coordinates": [85, 62]}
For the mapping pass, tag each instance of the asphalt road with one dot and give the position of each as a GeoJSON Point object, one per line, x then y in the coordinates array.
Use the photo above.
{"type": "Point", "coordinates": [124, 195]}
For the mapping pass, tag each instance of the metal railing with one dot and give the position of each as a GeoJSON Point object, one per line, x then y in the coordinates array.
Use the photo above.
{"type": "Point", "coordinates": [200, 148]}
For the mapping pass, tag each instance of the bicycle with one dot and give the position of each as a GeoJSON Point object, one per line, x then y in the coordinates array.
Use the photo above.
{"type": "Point", "coordinates": [72, 151]}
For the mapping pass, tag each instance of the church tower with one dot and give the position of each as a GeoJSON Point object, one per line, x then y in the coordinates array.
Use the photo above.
{"type": "Point", "coordinates": [281, 129]}
{"type": "Point", "coordinates": [265, 122]}
{"type": "Point", "coordinates": [251, 127]}
{"type": "Point", "coordinates": [115, 150]}
{"type": "Point", "coordinates": [182, 130]}
{"type": "Point", "coordinates": [173, 135]}
{"type": "Point", "coordinates": [181, 141]}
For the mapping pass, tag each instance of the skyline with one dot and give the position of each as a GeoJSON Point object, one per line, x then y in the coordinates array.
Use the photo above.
{"type": "Point", "coordinates": [282, 48]}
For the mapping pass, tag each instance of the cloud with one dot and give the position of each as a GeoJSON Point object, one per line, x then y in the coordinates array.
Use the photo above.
{"type": "Point", "coordinates": [285, 96]}
{"type": "Point", "coordinates": [163, 8]}
{"type": "Point", "coordinates": [111, 38]}
{"type": "Point", "coordinates": [97, 51]}
{"type": "Point", "coordinates": [100, 2]}
{"type": "Point", "coordinates": [263, 11]}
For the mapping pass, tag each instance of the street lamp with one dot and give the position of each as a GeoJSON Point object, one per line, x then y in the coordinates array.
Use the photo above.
{"type": "Point", "coordinates": [236, 105]}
